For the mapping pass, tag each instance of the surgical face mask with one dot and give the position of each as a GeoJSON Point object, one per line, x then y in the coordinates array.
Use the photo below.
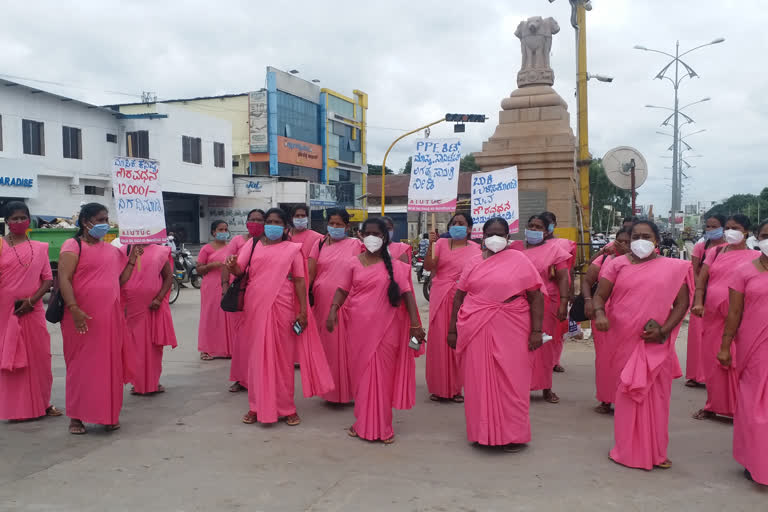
{"type": "Point", "coordinates": [300, 223]}
{"type": "Point", "coordinates": [222, 236]}
{"type": "Point", "coordinates": [392, 236]}
{"type": "Point", "coordinates": [496, 243]}
{"type": "Point", "coordinates": [273, 231]}
{"type": "Point", "coordinates": [734, 236]}
{"type": "Point", "coordinates": [642, 248]}
{"type": "Point", "coordinates": [18, 228]}
{"type": "Point", "coordinates": [551, 228]}
{"type": "Point", "coordinates": [458, 232]}
{"type": "Point", "coordinates": [534, 237]}
{"type": "Point", "coordinates": [763, 245]}
{"type": "Point", "coordinates": [255, 229]}
{"type": "Point", "coordinates": [715, 234]}
{"type": "Point", "coordinates": [99, 231]}
{"type": "Point", "coordinates": [372, 243]}
{"type": "Point", "coordinates": [337, 233]}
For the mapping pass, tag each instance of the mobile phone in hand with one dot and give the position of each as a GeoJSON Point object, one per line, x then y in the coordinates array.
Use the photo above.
{"type": "Point", "coordinates": [17, 304]}
{"type": "Point", "coordinates": [297, 328]}
{"type": "Point", "coordinates": [414, 343]}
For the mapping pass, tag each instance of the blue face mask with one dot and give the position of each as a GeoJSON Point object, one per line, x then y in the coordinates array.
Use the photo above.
{"type": "Point", "coordinates": [534, 237]}
{"type": "Point", "coordinates": [715, 234]}
{"type": "Point", "coordinates": [458, 232]}
{"type": "Point", "coordinates": [301, 223]}
{"type": "Point", "coordinates": [99, 231]}
{"type": "Point", "coordinates": [222, 236]}
{"type": "Point", "coordinates": [337, 233]}
{"type": "Point", "coordinates": [551, 228]}
{"type": "Point", "coordinates": [273, 232]}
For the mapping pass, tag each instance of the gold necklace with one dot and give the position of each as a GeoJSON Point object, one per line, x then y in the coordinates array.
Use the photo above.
{"type": "Point", "coordinates": [32, 252]}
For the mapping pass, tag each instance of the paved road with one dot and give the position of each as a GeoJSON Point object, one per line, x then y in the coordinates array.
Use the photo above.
{"type": "Point", "coordinates": [187, 450]}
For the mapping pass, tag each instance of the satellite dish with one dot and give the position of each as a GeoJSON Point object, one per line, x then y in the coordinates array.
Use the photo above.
{"type": "Point", "coordinates": [618, 164]}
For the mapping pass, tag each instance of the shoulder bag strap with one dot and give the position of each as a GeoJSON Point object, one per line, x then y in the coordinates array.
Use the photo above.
{"type": "Point", "coordinates": [253, 247]}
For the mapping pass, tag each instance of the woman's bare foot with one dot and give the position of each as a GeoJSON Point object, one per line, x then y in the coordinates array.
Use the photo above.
{"type": "Point", "coordinates": [53, 411]}
{"type": "Point", "coordinates": [703, 414]}
{"type": "Point", "coordinates": [76, 427]}
{"type": "Point", "coordinates": [551, 397]}
{"type": "Point", "coordinates": [351, 432]}
{"type": "Point", "coordinates": [604, 408]}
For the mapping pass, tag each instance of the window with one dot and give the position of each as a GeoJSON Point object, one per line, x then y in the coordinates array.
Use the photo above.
{"type": "Point", "coordinates": [111, 137]}
{"type": "Point", "coordinates": [137, 144]}
{"type": "Point", "coordinates": [72, 138]}
{"type": "Point", "coordinates": [218, 154]}
{"type": "Point", "coordinates": [191, 150]}
{"type": "Point", "coordinates": [33, 137]}
{"type": "Point", "coordinates": [92, 190]}
{"type": "Point", "coordinates": [298, 118]}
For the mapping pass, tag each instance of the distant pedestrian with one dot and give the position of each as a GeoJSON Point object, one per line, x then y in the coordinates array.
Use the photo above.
{"type": "Point", "coordinates": [215, 331]}
{"type": "Point", "coordinates": [496, 325]}
{"type": "Point", "coordinates": [649, 296]}
{"type": "Point", "coordinates": [25, 345]}
{"type": "Point", "coordinates": [301, 233]}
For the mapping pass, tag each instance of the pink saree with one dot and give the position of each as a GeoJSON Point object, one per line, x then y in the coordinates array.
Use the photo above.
{"type": "Point", "coordinates": [642, 292]}
{"type": "Point", "coordinates": [270, 310]}
{"type": "Point", "coordinates": [492, 344]}
{"type": "Point", "coordinates": [750, 424]}
{"type": "Point", "coordinates": [215, 329]}
{"type": "Point", "coordinates": [382, 367]}
{"type": "Point", "coordinates": [606, 379]}
{"type": "Point", "coordinates": [443, 375]}
{"type": "Point", "coordinates": [25, 345]}
{"type": "Point", "coordinates": [694, 369]}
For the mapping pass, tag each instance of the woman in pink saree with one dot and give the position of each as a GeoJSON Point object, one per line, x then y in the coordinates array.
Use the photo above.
{"type": "Point", "coordinates": [238, 371]}
{"type": "Point", "coordinates": [695, 371]}
{"type": "Point", "coordinates": [711, 303]}
{"type": "Point", "coordinates": [25, 346]}
{"type": "Point", "coordinates": [277, 320]}
{"type": "Point", "coordinates": [649, 296]}
{"type": "Point", "coordinates": [606, 375]}
{"type": "Point", "coordinates": [496, 326]}
{"type": "Point", "coordinates": [398, 250]}
{"type": "Point", "coordinates": [746, 326]}
{"type": "Point", "coordinates": [446, 258]}
{"type": "Point", "coordinates": [328, 261]}
{"type": "Point", "coordinates": [381, 363]}
{"type": "Point", "coordinates": [552, 263]}
{"type": "Point", "coordinates": [93, 327]}
{"type": "Point", "coordinates": [300, 232]}
{"type": "Point", "coordinates": [214, 333]}
{"type": "Point", "coordinates": [148, 316]}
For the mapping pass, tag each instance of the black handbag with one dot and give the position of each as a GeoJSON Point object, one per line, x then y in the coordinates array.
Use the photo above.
{"type": "Point", "coordinates": [55, 311]}
{"type": "Point", "coordinates": [311, 296]}
{"type": "Point", "coordinates": [233, 300]}
{"type": "Point", "coordinates": [577, 313]}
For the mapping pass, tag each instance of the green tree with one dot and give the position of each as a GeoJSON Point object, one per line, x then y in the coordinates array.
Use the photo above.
{"type": "Point", "coordinates": [408, 165]}
{"type": "Point", "coordinates": [375, 170]}
{"type": "Point", "coordinates": [607, 200]}
{"type": "Point", "coordinates": [753, 206]}
{"type": "Point", "coordinates": [468, 164]}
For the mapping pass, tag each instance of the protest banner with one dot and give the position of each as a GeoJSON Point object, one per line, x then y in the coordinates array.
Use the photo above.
{"type": "Point", "coordinates": [494, 194]}
{"type": "Point", "coordinates": [434, 175]}
{"type": "Point", "coordinates": [139, 200]}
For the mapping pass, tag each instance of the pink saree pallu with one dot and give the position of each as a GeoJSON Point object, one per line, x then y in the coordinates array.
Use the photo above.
{"type": "Point", "coordinates": [642, 292]}
{"type": "Point", "coordinates": [492, 344]}
{"type": "Point", "coordinates": [271, 308]}
{"type": "Point", "coordinates": [25, 346]}
{"type": "Point", "coordinates": [750, 424]}
{"type": "Point", "coordinates": [382, 367]}
{"type": "Point", "coordinates": [694, 369]}
{"type": "Point", "coordinates": [215, 331]}
{"type": "Point", "coordinates": [721, 382]}
{"type": "Point", "coordinates": [606, 380]}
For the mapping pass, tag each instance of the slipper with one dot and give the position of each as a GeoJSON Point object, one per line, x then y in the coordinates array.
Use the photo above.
{"type": "Point", "coordinates": [552, 398]}
{"type": "Point", "coordinates": [112, 428]}
{"type": "Point", "coordinates": [388, 441]}
{"type": "Point", "coordinates": [604, 409]}
{"type": "Point", "coordinates": [77, 430]}
{"type": "Point", "coordinates": [514, 447]}
{"type": "Point", "coordinates": [53, 411]}
{"type": "Point", "coordinates": [250, 418]}
{"type": "Point", "coordinates": [703, 414]}
{"type": "Point", "coordinates": [459, 399]}
{"type": "Point", "coordinates": [292, 420]}
{"type": "Point", "coordinates": [205, 356]}
{"type": "Point", "coordinates": [435, 398]}
{"type": "Point", "coordinates": [351, 432]}
{"type": "Point", "coordinates": [691, 384]}
{"type": "Point", "coordinates": [236, 387]}
{"type": "Point", "coordinates": [558, 369]}
{"type": "Point", "coordinates": [664, 465]}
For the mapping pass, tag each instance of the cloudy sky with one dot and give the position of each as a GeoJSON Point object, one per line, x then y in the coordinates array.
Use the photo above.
{"type": "Point", "coordinates": [418, 60]}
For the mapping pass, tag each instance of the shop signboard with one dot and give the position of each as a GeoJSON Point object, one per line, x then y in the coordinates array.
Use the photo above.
{"type": "Point", "coordinates": [322, 195]}
{"type": "Point", "coordinates": [17, 179]}
{"type": "Point", "coordinates": [257, 122]}
{"type": "Point", "coordinates": [139, 200]}
{"type": "Point", "coordinates": [296, 152]}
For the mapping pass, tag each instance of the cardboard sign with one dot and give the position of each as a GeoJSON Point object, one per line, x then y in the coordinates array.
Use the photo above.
{"type": "Point", "coordinates": [139, 200]}
{"type": "Point", "coordinates": [494, 194]}
{"type": "Point", "coordinates": [434, 175]}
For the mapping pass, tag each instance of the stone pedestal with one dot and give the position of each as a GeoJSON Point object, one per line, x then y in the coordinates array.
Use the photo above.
{"type": "Point", "coordinates": [534, 133]}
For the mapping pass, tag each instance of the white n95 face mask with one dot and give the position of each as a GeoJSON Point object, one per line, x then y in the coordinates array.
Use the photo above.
{"type": "Point", "coordinates": [373, 243]}
{"type": "Point", "coordinates": [763, 245]}
{"type": "Point", "coordinates": [496, 243]}
{"type": "Point", "coordinates": [734, 236]}
{"type": "Point", "coordinates": [642, 248]}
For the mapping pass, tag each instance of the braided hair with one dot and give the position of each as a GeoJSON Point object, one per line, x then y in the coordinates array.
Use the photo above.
{"type": "Point", "coordinates": [394, 289]}
{"type": "Point", "coordinates": [88, 211]}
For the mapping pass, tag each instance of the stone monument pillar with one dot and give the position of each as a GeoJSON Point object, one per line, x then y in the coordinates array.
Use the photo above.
{"type": "Point", "coordinates": [534, 133]}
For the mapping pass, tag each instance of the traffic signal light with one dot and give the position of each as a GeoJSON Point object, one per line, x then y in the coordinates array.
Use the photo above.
{"type": "Point", "coordinates": [465, 118]}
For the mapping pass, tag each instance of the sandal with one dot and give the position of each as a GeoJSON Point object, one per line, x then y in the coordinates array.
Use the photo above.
{"type": "Point", "coordinates": [558, 369]}
{"type": "Point", "coordinates": [514, 447]}
{"type": "Point", "coordinates": [292, 420]}
{"type": "Point", "coordinates": [112, 428]}
{"type": "Point", "coordinates": [664, 465]}
{"type": "Point", "coordinates": [76, 428]}
{"type": "Point", "coordinates": [435, 398]}
{"type": "Point", "coordinates": [604, 408]}
{"type": "Point", "coordinates": [459, 399]}
{"type": "Point", "coordinates": [205, 356]}
{"type": "Point", "coordinates": [551, 397]}
{"type": "Point", "coordinates": [250, 418]}
{"type": "Point", "coordinates": [237, 387]}
{"type": "Point", "coordinates": [351, 432]}
{"type": "Point", "coordinates": [53, 411]}
{"type": "Point", "coordinates": [388, 441]}
{"type": "Point", "coordinates": [160, 389]}
{"type": "Point", "coordinates": [692, 383]}
{"type": "Point", "coordinates": [703, 414]}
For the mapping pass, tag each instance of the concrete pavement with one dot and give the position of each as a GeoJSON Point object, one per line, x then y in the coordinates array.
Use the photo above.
{"type": "Point", "coordinates": [186, 450]}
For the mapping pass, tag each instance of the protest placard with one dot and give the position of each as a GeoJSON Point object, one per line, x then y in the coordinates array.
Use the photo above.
{"type": "Point", "coordinates": [494, 194]}
{"type": "Point", "coordinates": [434, 175]}
{"type": "Point", "coordinates": [139, 200]}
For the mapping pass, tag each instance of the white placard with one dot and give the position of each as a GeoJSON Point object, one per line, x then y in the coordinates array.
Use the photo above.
{"type": "Point", "coordinates": [494, 194]}
{"type": "Point", "coordinates": [434, 175]}
{"type": "Point", "coordinates": [139, 200]}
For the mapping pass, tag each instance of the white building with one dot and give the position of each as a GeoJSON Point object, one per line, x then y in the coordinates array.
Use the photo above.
{"type": "Point", "coordinates": [56, 152]}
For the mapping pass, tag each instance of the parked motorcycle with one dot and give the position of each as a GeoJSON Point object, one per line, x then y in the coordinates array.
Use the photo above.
{"type": "Point", "coordinates": [427, 286]}
{"type": "Point", "coordinates": [185, 268]}
{"type": "Point", "coordinates": [418, 267]}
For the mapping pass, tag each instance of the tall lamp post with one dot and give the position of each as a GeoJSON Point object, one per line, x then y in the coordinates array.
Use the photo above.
{"type": "Point", "coordinates": [689, 73]}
